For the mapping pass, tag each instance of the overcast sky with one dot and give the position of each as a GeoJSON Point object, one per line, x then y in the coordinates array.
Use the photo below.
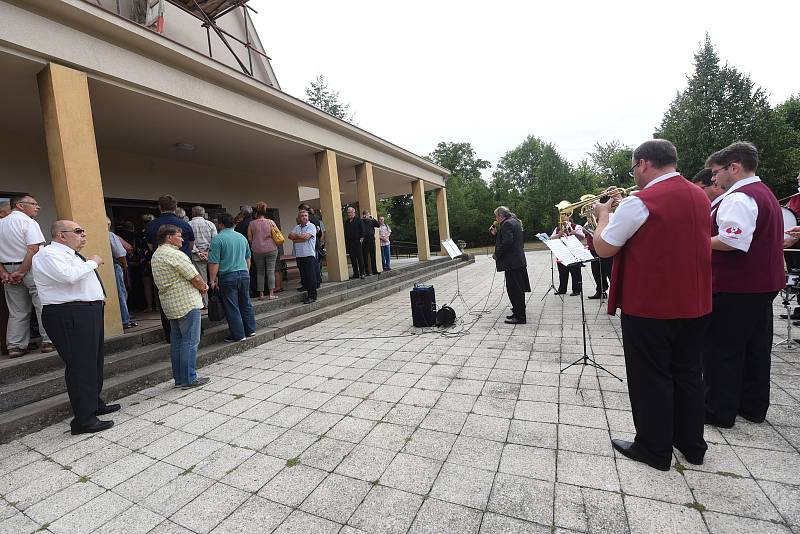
{"type": "Point", "coordinates": [491, 72]}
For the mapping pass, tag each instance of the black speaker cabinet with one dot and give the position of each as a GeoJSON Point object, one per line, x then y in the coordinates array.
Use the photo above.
{"type": "Point", "coordinates": [423, 306]}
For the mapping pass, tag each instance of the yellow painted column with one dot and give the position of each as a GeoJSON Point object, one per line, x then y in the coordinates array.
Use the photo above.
{"type": "Point", "coordinates": [444, 220]}
{"type": "Point", "coordinates": [421, 220]}
{"type": "Point", "coordinates": [366, 201]}
{"type": "Point", "coordinates": [75, 170]}
{"type": "Point", "coordinates": [331, 204]}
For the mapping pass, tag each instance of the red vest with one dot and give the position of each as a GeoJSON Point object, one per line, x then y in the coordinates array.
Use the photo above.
{"type": "Point", "coordinates": [760, 269]}
{"type": "Point", "coordinates": [664, 269]}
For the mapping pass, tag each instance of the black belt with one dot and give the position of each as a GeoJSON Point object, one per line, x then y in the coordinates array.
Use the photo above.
{"type": "Point", "coordinates": [77, 303]}
{"type": "Point", "coordinates": [13, 263]}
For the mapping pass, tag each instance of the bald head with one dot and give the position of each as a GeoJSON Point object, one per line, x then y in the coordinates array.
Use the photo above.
{"type": "Point", "coordinates": [68, 233]}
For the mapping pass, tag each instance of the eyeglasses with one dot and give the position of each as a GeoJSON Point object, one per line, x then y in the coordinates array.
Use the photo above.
{"type": "Point", "coordinates": [630, 172]}
{"type": "Point", "coordinates": [79, 231]}
{"type": "Point", "coordinates": [714, 173]}
{"type": "Point", "coordinates": [26, 202]}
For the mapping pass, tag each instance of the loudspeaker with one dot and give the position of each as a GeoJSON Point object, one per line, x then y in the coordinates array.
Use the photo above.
{"type": "Point", "coordinates": [423, 306]}
{"type": "Point", "coordinates": [446, 316]}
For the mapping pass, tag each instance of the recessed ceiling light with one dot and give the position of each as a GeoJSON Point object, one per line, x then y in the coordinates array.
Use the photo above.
{"type": "Point", "coordinates": [184, 146]}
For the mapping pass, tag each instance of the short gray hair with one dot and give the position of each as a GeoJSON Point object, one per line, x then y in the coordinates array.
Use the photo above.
{"type": "Point", "coordinates": [58, 226]}
{"type": "Point", "coordinates": [247, 210]}
{"type": "Point", "coordinates": [503, 212]}
{"type": "Point", "coordinates": [198, 211]}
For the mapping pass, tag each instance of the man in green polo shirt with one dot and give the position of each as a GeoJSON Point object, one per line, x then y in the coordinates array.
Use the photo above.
{"type": "Point", "coordinates": [229, 268]}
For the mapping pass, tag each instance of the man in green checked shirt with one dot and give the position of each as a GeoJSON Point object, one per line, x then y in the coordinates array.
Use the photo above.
{"type": "Point", "coordinates": [180, 289]}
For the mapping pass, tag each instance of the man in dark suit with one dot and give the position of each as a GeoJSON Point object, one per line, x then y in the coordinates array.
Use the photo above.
{"type": "Point", "coordinates": [353, 237]}
{"type": "Point", "coordinates": [510, 258]}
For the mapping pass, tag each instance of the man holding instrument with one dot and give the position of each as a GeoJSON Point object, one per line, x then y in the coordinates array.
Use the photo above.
{"type": "Point", "coordinates": [748, 272]}
{"type": "Point", "coordinates": [661, 280]}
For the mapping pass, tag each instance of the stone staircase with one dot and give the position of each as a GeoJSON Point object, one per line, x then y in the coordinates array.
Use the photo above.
{"type": "Point", "coordinates": [33, 392]}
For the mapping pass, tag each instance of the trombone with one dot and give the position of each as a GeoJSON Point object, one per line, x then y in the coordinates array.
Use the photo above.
{"type": "Point", "coordinates": [584, 205]}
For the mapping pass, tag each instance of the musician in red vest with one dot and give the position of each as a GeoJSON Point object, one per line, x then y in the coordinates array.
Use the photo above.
{"type": "Point", "coordinates": [661, 281]}
{"type": "Point", "coordinates": [747, 266]}
{"type": "Point", "coordinates": [791, 256]}
{"type": "Point", "coordinates": [567, 228]}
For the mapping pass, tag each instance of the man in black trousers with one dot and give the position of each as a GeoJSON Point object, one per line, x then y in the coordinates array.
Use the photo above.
{"type": "Point", "coordinates": [72, 312]}
{"type": "Point", "coordinates": [510, 257]}
{"type": "Point", "coordinates": [368, 245]}
{"type": "Point", "coordinates": [353, 237]}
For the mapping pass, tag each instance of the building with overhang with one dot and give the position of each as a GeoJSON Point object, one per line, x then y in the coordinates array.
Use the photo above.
{"type": "Point", "coordinates": [108, 104]}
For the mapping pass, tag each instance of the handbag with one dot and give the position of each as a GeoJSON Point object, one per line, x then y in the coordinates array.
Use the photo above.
{"type": "Point", "coordinates": [216, 310]}
{"type": "Point", "coordinates": [277, 236]}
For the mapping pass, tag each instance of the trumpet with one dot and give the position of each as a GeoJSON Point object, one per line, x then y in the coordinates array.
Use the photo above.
{"type": "Point", "coordinates": [584, 205]}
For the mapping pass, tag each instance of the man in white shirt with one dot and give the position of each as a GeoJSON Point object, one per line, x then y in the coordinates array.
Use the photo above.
{"type": "Point", "coordinates": [20, 238]}
{"type": "Point", "coordinates": [748, 272]}
{"type": "Point", "coordinates": [204, 231]}
{"type": "Point", "coordinates": [73, 299]}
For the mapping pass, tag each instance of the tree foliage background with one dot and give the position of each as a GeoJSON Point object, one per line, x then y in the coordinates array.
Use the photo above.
{"type": "Point", "coordinates": [319, 95]}
{"type": "Point", "coordinates": [718, 106]}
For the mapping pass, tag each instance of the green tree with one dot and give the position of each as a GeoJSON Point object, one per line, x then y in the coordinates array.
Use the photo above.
{"type": "Point", "coordinates": [531, 179]}
{"type": "Point", "coordinates": [720, 105]}
{"type": "Point", "coordinates": [319, 95]}
{"type": "Point", "coordinates": [469, 200]}
{"type": "Point", "coordinates": [612, 161]}
{"type": "Point", "coordinates": [788, 140]}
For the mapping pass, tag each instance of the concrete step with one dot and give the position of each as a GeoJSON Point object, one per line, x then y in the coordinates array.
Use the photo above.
{"type": "Point", "coordinates": [21, 369]}
{"type": "Point", "coordinates": [45, 398]}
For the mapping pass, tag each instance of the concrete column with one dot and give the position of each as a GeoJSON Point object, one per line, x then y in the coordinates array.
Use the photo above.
{"type": "Point", "coordinates": [331, 205]}
{"type": "Point", "coordinates": [75, 170]}
{"type": "Point", "coordinates": [421, 220]}
{"type": "Point", "coordinates": [366, 201]}
{"type": "Point", "coordinates": [444, 220]}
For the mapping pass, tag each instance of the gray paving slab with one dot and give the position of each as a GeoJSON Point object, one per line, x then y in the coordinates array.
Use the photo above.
{"type": "Point", "coordinates": [344, 430]}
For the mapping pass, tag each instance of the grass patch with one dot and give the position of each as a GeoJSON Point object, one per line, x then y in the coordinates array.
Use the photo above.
{"type": "Point", "coordinates": [696, 505]}
{"type": "Point", "coordinates": [66, 467]}
{"type": "Point", "coordinates": [84, 478]}
{"type": "Point", "coordinates": [376, 482]}
{"type": "Point", "coordinates": [292, 462]}
{"type": "Point", "coordinates": [729, 475]}
{"type": "Point", "coordinates": [679, 467]}
{"type": "Point", "coordinates": [44, 527]}
{"type": "Point", "coordinates": [189, 470]}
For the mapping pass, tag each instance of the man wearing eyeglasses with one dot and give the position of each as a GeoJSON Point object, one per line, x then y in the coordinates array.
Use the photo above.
{"type": "Point", "coordinates": [20, 239]}
{"type": "Point", "coordinates": [747, 266]}
{"type": "Point", "coordinates": [661, 280]}
{"type": "Point", "coordinates": [73, 299]}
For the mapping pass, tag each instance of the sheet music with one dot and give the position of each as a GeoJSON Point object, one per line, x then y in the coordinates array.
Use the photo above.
{"type": "Point", "coordinates": [569, 250]}
{"type": "Point", "coordinates": [452, 249]}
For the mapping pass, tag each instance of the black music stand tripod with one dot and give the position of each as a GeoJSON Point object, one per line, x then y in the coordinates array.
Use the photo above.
{"type": "Point", "coordinates": [586, 360]}
{"type": "Point", "coordinates": [552, 281]}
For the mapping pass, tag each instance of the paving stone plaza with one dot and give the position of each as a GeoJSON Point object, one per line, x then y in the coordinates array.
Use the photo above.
{"type": "Point", "coordinates": [365, 424]}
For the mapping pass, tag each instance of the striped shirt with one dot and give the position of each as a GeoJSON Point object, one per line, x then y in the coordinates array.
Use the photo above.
{"type": "Point", "coordinates": [204, 231]}
{"type": "Point", "coordinates": [172, 272]}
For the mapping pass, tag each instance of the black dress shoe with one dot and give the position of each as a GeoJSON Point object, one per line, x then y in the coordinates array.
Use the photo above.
{"type": "Point", "coordinates": [713, 420]}
{"type": "Point", "coordinates": [694, 459]}
{"type": "Point", "coordinates": [510, 316]}
{"type": "Point", "coordinates": [574, 293]}
{"type": "Point", "coordinates": [561, 293]}
{"type": "Point", "coordinates": [751, 418]}
{"type": "Point", "coordinates": [594, 297]}
{"type": "Point", "coordinates": [636, 453]}
{"type": "Point", "coordinates": [515, 320]}
{"type": "Point", "coordinates": [99, 426]}
{"type": "Point", "coordinates": [108, 408]}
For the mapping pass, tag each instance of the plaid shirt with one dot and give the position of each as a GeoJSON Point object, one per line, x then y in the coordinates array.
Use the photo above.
{"type": "Point", "coordinates": [172, 270]}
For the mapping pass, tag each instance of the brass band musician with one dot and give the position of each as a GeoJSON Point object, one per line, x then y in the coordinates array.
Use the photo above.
{"type": "Point", "coordinates": [567, 228]}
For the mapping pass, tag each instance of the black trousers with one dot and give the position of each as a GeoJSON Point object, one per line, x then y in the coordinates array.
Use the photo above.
{"type": "Point", "coordinates": [665, 384]}
{"type": "Point", "coordinates": [356, 257]}
{"type": "Point", "coordinates": [601, 279]}
{"type": "Point", "coordinates": [738, 357]}
{"type": "Point", "coordinates": [563, 274]}
{"type": "Point", "coordinates": [517, 284]}
{"type": "Point", "coordinates": [307, 265]}
{"type": "Point", "coordinates": [368, 250]}
{"type": "Point", "coordinates": [76, 330]}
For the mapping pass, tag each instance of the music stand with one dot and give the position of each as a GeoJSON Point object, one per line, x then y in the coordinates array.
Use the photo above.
{"type": "Point", "coordinates": [570, 251]}
{"type": "Point", "coordinates": [544, 238]}
{"type": "Point", "coordinates": [789, 292]}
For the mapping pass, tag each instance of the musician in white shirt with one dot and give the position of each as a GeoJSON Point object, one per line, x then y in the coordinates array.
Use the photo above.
{"type": "Point", "coordinates": [72, 312]}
